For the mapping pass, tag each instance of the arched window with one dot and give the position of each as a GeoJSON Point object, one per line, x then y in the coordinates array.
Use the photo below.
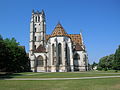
{"type": "Point", "coordinates": [36, 18]}
{"type": "Point", "coordinates": [76, 57]}
{"type": "Point", "coordinates": [40, 61]}
{"type": "Point", "coordinates": [35, 38]}
{"type": "Point", "coordinates": [85, 58]}
{"type": "Point", "coordinates": [66, 51]}
{"type": "Point", "coordinates": [76, 62]}
{"type": "Point", "coordinates": [35, 30]}
{"type": "Point", "coordinates": [59, 54]}
{"type": "Point", "coordinates": [66, 54]}
{"type": "Point", "coordinates": [53, 51]}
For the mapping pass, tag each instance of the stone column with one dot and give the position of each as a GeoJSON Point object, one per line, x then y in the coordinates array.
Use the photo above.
{"type": "Point", "coordinates": [71, 58]}
{"type": "Point", "coordinates": [32, 62]}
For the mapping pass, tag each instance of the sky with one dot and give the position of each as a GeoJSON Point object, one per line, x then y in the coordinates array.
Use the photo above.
{"type": "Point", "coordinates": [98, 20]}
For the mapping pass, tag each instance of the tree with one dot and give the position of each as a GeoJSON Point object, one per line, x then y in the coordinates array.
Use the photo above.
{"type": "Point", "coordinates": [4, 52]}
{"type": "Point", "coordinates": [116, 64]}
{"type": "Point", "coordinates": [102, 62]}
{"type": "Point", "coordinates": [110, 61]}
{"type": "Point", "coordinates": [13, 58]}
{"type": "Point", "coordinates": [1, 38]}
{"type": "Point", "coordinates": [106, 62]}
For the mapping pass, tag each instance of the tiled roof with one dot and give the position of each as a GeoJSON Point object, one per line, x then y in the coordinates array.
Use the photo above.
{"type": "Point", "coordinates": [78, 47]}
{"type": "Point", "coordinates": [47, 37]}
{"type": "Point", "coordinates": [58, 31]}
{"type": "Point", "coordinates": [40, 49]}
{"type": "Point", "coordinates": [76, 38]}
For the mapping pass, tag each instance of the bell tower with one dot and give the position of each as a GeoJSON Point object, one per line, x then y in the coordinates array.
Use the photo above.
{"type": "Point", "coordinates": [37, 30]}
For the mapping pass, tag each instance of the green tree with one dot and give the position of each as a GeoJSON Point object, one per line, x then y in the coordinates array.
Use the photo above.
{"type": "Point", "coordinates": [13, 58]}
{"type": "Point", "coordinates": [110, 61]}
{"type": "Point", "coordinates": [102, 62]}
{"type": "Point", "coordinates": [3, 53]}
{"type": "Point", "coordinates": [106, 62]}
{"type": "Point", "coordinates": [116, 64]}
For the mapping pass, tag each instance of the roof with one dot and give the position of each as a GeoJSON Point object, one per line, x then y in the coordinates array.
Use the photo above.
{"type": "Point", "coordinates": [40, 49]}
{"type": "Point", "coordinates": [59, 30]}
{"type": "Point", "coordinates": [78, 47]}
{"type": "Point", "coordinates": [76, 38]}
{"type": "Point", "coordinates": [47, 37]}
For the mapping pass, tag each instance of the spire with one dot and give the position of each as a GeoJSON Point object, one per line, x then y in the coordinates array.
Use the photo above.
{"type": "Point", "coordinates": [83, 46]}
{"type": "Point", "coordinates": [81, 32]}
{"type": "Point", "coordinates": [43, 12]}
{"type": "Point", "coordinates": [59, 25]}
{"type": "Point", "coordinates": [81, 36]}
{"type": "Point", "coordinates": [58, 22]}
{"type": "Point", "coordinates": [33, 11]}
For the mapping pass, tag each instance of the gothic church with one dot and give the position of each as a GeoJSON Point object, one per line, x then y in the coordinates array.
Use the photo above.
{"type": "Point", "coordinates": [57, 52]}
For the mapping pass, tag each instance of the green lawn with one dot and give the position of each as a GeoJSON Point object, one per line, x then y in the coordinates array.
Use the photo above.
{"type": "Point", "coordinates": [62, 74]}
{"type": "Point", "coordinates": [88, 84]}
{"type": "Point", "coordinates": [85, 84]}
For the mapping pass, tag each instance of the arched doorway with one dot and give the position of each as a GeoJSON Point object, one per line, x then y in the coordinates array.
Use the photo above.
{"type": "Point", "coordinates": [40, 62]}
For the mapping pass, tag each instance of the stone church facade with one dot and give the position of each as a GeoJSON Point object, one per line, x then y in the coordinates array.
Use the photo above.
{"type": "Point", "coordinates": [58, 52]}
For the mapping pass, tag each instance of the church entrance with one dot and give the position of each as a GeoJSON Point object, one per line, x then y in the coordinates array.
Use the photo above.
{"type": "Point", "coordinates": [40, 64]}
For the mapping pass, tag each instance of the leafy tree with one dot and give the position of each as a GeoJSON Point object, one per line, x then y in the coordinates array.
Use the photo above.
{"type": "Point", "coordinates": [110, 61]}
{"type": "Point", "coordinates": [102, 62]}
{"type": "Point", "coordinates": [1, 38]}
{"type": "Point", "coordinates": [13, 58]}
{"type": "Point", "coordinates": [4, 52]}
{"type": "Point", "coordinates": [116, 64]}
{"type": "Point", "coordinates": [106, 62]}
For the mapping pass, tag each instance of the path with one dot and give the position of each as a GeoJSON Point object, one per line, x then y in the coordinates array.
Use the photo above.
{"type": "Point", "coordinates": [60, 78]}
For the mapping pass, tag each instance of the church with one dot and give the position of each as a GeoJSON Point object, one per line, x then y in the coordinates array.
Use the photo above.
{"type": "Point", "coordinates": [57, 52]}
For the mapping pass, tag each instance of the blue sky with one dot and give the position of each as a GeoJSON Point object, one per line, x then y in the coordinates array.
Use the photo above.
{"type": "Point", "coordinates": [99, 21]}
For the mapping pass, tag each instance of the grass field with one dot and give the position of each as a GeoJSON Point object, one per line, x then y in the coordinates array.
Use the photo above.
{"type": "Point", "coordinates": [86, 84]}
{"type": "Point", "coordinates": [62, 74]}
{"type": "Point", "coordinates": [89, 84]}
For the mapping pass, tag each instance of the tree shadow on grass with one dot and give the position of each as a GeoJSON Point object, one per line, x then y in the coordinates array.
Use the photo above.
{"type": "Point", "coordinates": [8, 75]}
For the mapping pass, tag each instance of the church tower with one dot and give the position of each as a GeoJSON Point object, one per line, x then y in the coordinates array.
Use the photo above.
{"type": "Point", "coordinates": [37, 30]}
